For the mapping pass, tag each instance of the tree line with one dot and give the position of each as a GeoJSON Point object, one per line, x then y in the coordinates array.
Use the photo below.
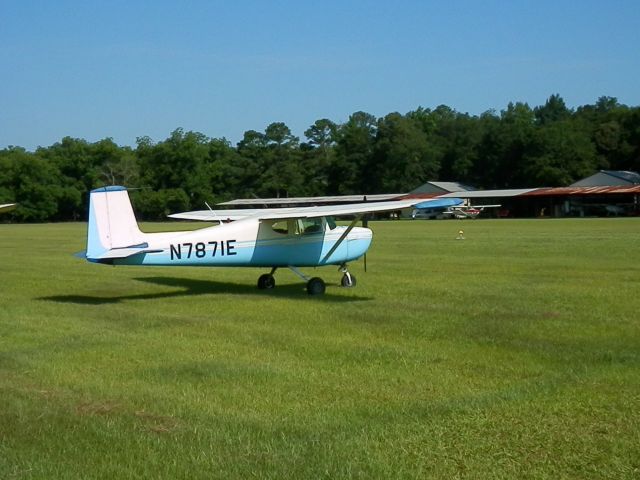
{"type": "Point", "coordinates": [548, 145]}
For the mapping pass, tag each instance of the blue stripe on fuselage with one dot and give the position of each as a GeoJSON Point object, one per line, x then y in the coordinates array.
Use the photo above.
{"type": "Point", "coordinates": [298, 251]}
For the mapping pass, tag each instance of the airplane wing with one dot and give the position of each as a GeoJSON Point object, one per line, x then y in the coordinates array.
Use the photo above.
{"type": "Point", "coordinates": [306, 212]}
{"type": "Point", "coordinates": [7, 207]}
{"type": "Point", "coordinates": [438, 203]}
{"type": "Point", "coordinates": [336, 210]}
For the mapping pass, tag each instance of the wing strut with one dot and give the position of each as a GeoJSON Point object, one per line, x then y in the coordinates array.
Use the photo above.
{"type": "Point", "coordinates": [341, 239]}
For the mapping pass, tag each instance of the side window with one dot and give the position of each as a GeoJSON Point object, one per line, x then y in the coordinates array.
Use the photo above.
{"type": "Point", "coordinates": [280, 226]}
{"type": "Point", "coordinates": [300, 226]}
{"type": "Point", "coordinates": [311, 225]}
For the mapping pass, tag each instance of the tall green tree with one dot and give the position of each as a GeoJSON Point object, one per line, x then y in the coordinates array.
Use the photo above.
{"type": "Point", "coordinates": [506, 141]}
{"type": "Point", "coordinates": [175, 171]}
{"type": "Point", "coordinates": [283, 176]}
{"type": "Point", "coordinates": [227, 174]}
{"type": "Point", "coordinates": [78, 171]}
{"type": "Point", "coordinates": [402, 156]}
{"type": "Point", "coordinates": [354, 152]}
{"type": "Point", "coordinates": [115, 165]}
{"type": "Point", "coordinates": [554, 110]}
{"type": "Point", "coordinates": [318, 155]}
{"type": "Point", "coordinates": [36, 185]}
{"type": "Point", "coordinates": [559, 154]}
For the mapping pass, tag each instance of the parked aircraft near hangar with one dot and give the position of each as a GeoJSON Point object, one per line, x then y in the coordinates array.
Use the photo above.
{"type": "Point", "coordinates": [445, 208]}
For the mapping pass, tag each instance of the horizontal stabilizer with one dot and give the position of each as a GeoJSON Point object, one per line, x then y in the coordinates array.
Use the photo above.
{"type": "Point", "coordinates": [124, 253]}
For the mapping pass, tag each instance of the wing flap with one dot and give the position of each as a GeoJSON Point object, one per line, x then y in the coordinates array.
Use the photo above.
{"type": "Point", "coordinates": [336, 210]}
{"type": "Point", "coordinates": [216, 215]}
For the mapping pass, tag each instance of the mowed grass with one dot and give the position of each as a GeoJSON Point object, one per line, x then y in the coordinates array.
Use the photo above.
{"type": "Point", "coordinates": [514, 353]}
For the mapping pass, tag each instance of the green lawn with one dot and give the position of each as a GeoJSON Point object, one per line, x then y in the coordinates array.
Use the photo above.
{"type": "Point", "coordinates": [514, 353]}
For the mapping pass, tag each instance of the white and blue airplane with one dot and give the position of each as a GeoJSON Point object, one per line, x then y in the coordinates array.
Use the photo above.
{"type": "Point", "coordinates": [274, 238]}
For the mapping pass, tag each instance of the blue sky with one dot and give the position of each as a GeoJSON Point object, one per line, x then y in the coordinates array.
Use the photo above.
{"type": "Point", "coordinates": [125, 69]}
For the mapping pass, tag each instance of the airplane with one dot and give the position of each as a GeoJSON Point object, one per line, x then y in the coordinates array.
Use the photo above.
{"type": "Point", "coordinates": [432, 210]}
{"type": "Point", "coordinates": [274, 238]}
{"type": "Point", "coordinates": [7, 207]}
{"type": "Point", "coordinates": [468, 211]}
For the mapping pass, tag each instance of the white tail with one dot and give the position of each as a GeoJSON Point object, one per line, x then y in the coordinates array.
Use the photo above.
{"type": "Point", "coordinates": [112, 223]}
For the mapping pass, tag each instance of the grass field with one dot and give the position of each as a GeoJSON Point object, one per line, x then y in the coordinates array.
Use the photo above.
{"type": "Point", "coordinates": [514, 353]}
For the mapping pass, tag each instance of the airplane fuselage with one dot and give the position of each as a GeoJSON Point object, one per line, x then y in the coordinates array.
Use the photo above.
{"type": "Point", "coordinates": [251, 243]}
{"type": "Point", "coordinates": [274, 238]}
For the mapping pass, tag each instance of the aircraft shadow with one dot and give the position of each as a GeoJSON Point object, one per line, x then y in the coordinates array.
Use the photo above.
{"type": "Point", "coordinates": [192, 287]}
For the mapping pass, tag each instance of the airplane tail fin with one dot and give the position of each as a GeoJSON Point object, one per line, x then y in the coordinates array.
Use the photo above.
{"type": "Point", "coordinates": [112, 223]}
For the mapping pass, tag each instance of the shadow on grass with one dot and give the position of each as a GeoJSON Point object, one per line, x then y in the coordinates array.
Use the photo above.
{"type": "Point", "coordinates": [191, 287]}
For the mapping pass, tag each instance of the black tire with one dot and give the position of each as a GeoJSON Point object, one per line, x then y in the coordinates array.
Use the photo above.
{"type": "Point", "coordinates": [348, 282]}
{"type": "Point", "coordinates": [316, 286]}
{"type": "Point", "coordinates": [266, 282]}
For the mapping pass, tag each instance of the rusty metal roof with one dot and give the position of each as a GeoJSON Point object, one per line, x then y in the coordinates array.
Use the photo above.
{"type": "Point", "coordinates": [537, 192]}
{"type": "Point", "coordinates": [635, 189]}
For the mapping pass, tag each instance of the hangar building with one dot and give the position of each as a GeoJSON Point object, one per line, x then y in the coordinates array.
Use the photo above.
{"type": "Point", "coordinates": [606, 193]}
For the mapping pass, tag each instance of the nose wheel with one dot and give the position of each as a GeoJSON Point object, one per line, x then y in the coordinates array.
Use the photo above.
{"type": "Point", "coordinates": [348, 279]}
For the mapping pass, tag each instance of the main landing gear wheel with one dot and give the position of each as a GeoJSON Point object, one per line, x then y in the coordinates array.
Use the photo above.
{"type": "Point", "coordinates": [348, 280]}
{"type": "Point", "coordinates": [266, 282]}
{"type": "Point", "coordinates": [315, 286]}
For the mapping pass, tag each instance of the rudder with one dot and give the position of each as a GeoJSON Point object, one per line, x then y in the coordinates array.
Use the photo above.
{"type": "Point", "coordinates": [112, 223]}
